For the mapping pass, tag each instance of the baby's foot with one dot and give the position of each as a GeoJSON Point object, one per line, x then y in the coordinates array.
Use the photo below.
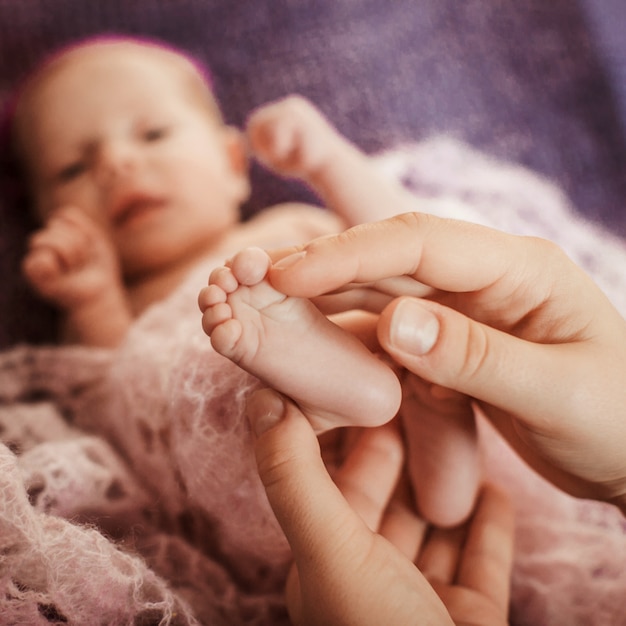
{"type": "Point", "coordinates": [292, 347]}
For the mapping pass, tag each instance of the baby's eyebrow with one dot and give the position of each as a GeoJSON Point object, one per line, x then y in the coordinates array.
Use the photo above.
{"type": "Point", "coordinates": [85, 149]}
{"type": "Point", "coordinates": [59, 162]}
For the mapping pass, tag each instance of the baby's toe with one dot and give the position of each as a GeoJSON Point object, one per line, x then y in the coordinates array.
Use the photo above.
{"type": "Point", "coordinates": [210, 296]}
{"type": "Point", "coordinates": [216, 315]}
{"type": "Point", "coordinates": [223, 278]}
{"type": "Point", "coordinates": [225, 337]}
{"type": "Point", "coordinates": [250, 266]}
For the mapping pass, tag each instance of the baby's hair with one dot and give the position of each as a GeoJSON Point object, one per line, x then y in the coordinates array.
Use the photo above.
{"type": "Point", "coordinates": [201, 77]}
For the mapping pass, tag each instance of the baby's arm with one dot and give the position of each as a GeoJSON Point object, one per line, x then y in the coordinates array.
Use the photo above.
{"type": "Point", "coordinates": [293, 138]}
{"type": "Point", "coordinates": [71, 264]}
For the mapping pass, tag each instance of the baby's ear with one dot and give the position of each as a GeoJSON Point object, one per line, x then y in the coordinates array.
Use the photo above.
{"type": "Point", "coordinates": [236, 150]}
{"type": "Point", "coordinates": [237, 153]}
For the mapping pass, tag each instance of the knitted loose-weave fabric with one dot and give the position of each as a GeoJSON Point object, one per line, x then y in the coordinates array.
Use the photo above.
{"type": "Point", "coordinates": [147, 444]}
{"type": "Point", "coordinates": [129, 493]}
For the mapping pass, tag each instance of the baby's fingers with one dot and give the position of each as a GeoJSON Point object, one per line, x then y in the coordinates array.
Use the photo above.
{"type": "Point", "coordinates": [65, 238]}
{"type": "Point", "coordinates": [40, 266]}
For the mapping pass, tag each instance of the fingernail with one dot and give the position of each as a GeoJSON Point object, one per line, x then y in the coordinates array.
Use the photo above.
{"type": "Point", "coordinates": [265, 408]}
{"type": "Point", "coordinates": [414, 329]}
{"type": "Point", "coordinates": [289, 261]}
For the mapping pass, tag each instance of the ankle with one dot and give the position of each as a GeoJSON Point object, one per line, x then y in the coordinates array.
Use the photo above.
{"type": "Point", "coordinates": [620, 502]}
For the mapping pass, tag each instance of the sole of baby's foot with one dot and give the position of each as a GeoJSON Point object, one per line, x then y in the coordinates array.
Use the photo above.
{"type": "Point", "coordinates": [292, 137]}
{"type": "Point", "coordinates": [288, 344]}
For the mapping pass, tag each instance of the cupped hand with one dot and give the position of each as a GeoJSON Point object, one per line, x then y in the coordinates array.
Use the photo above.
{"type": "Point", "coordinates": [508, 320]}
{"type": "Point", "coordinates": [361, 555]}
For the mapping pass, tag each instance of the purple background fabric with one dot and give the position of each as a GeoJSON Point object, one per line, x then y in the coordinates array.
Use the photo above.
{"type": "Point", "coordinates": [527, 81]}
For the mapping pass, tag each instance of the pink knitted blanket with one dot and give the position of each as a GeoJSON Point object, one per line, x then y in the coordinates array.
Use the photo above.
{"type": "Point", "coordinates": [131, 494]}
{"type": "Point", "coordinates": [128, 493]}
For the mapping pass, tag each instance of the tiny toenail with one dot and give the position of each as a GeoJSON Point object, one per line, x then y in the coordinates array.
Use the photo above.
{"type": "Point", "coordinates": [289, 261]}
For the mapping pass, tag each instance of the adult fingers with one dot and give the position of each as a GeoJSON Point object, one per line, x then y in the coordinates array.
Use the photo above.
{"type": "Point", "coordinates": [445, 254]}
{"type": "Point", "coordinates": [339, 559]}
{"type": "Point", "coordinates": [439, 557]}
{"type": "Point", "coordinates": [369, 474]}
{"type": "Point", "coordinates": [373, 297]}
{"type": "Point", "coordinates": [361, 324]}
{"type": "Point", "coordinates": [401, 525]}
{"type": "Point", "coordinates": [487, 557]}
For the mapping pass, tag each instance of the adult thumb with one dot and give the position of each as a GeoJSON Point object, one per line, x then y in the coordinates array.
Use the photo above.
{"type": "Point", "coordinates": [443, 346]}
{"type": "Point", "coordinates": [308, 505]}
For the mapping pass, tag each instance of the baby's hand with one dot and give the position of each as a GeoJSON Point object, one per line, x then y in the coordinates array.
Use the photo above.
{"type": "Point", "coordinates": [291, 136]}
{"type": "Point", "coordinates": [70, 261]}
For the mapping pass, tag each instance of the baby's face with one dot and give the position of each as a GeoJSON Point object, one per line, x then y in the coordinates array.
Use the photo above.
{"type": "Point", "coordinates": [115, 130]}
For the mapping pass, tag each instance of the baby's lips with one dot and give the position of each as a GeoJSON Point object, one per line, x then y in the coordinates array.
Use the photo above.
{"type": "Point", "coordinates": [132, 204]}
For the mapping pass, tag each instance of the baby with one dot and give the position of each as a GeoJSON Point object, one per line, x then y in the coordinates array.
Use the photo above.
{"type": "Point", "coordinates": [136, 180]}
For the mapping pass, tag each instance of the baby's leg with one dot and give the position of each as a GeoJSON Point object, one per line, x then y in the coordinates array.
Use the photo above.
{"type": "Point", "coordinates": [291, 346]}
{"type": "Point", "coordinates": [444, 461]}
{"type": "Point", "coordinates": [293, 138]}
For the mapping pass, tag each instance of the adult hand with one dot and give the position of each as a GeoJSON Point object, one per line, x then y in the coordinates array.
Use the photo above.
{"type": "Point", "coordinates": [355, 547]}
{"type": "Point", "coordinates": [508, 320]}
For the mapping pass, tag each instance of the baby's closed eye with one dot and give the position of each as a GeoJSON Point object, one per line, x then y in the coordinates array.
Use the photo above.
{"type": "Point", "coordinates": [71, 171]}
{"type": "Point", "coordinates": [155, 133]}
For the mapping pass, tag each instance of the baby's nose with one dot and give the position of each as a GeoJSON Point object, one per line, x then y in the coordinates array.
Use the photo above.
{"type": "Point", "coordinates": [116, 160]}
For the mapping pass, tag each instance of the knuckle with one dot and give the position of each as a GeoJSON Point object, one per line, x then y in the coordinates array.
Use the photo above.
{"type": "Point", "coordinates": [274, 466]}
{"type": "Point", "coordinates": [550, 253]}
{"type": "Point", "coordinates": [475, 355]}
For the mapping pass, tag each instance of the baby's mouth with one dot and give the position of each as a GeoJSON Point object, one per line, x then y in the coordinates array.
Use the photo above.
{"type": "Point", "coordinates": [133, 208]}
